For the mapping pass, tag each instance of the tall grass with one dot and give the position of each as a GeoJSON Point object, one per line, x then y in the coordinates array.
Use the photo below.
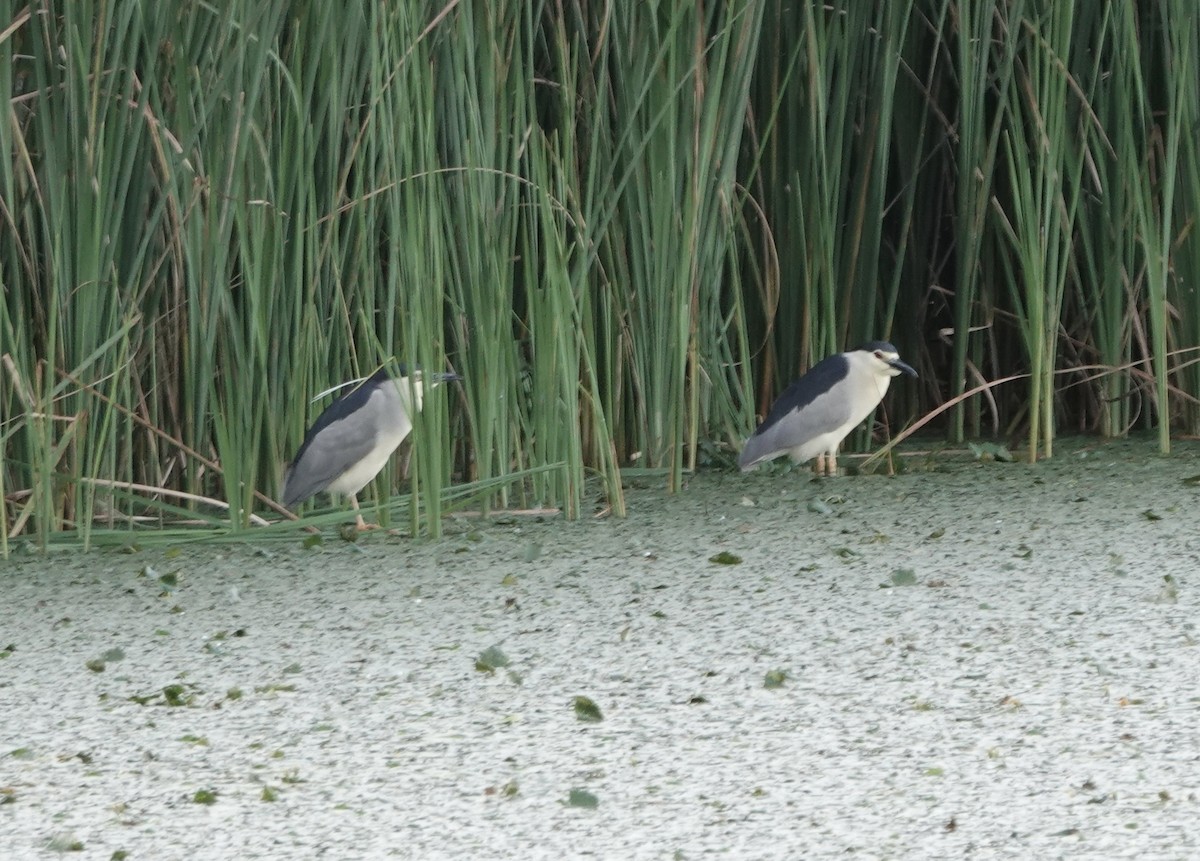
{"type": "Point", "coordinates": [1185, 243]}
{"type": "Point", "coordinates": [1037, 215]}
{"type": "Point", "coordinates": [1155, 176]}
{"type": "Point", "coordinates": [826, 90]}
{"type": "Point", "coordinates": [1108, 236]}
{"type": "Point", "coordinates": [984, 41]}
{"type": "Point", "coordinates": [626, 225]}
{"type": "Point", "coordinates": [658, 112]}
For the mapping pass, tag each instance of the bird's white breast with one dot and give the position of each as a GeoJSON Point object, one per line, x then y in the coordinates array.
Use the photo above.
{"type": "Point", "coordinates": [393, 431]}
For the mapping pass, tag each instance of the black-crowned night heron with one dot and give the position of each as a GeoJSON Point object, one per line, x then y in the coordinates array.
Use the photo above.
{"type": "Point", "coordinates": [350, 442]}
{"type": "Point", "coordinates": [816, 412]}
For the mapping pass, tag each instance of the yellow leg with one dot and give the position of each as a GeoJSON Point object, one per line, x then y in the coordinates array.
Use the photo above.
{"type": "Point", "coordinates": [360, 524]}
{"type": "Point", "coordinates": [826, 464]}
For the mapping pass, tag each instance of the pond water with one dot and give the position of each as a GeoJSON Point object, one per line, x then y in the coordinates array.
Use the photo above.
{"type": "Point", "coordinates": [970, 659]}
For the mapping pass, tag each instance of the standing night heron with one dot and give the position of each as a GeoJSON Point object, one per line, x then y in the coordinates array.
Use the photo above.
{"type": "Point", "coordinates": [350, 442]}
{"type": "Point", "coordinates": [816, 412]}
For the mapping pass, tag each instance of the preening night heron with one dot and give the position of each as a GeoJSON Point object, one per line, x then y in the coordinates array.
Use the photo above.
{"type": "Point", "coordinates": [816, 412]}
{"type": "Point", "coordinates": [351, 441]}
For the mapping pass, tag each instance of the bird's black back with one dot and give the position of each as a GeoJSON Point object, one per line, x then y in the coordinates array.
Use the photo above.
{"type": "Point", "coordinates": [820, 378]}
{"type": "Point", "coordinates": [347, 404]}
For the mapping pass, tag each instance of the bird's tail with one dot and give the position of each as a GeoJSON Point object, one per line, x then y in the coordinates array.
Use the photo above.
{"type": "Point", "coordinates": [751, 454]}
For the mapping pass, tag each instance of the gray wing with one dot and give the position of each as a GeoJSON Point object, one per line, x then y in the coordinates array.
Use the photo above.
{"type": "Point", "coordinates": [331, 448]}
{"type": "Point", "coordinates": [787, 429]}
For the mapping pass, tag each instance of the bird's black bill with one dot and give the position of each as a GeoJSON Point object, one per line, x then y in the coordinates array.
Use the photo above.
{"type": "Point", "coordinates": [902, 366]}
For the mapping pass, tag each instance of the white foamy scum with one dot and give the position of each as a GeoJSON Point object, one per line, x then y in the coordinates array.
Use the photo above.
{"type": "Point", "coordinates": [1031, 690]}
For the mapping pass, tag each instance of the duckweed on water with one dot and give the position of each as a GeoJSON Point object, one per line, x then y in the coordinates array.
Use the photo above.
{"type": "Point", "coordinates": [490, 659]}
{"type": "Point", "coordinates": [582, 798]}
{"type": "Point", "coordinates": [587, 710]}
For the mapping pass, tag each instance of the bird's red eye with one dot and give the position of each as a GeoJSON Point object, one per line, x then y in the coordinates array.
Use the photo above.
{"type": "Point", "coordinates": [878, 355]}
